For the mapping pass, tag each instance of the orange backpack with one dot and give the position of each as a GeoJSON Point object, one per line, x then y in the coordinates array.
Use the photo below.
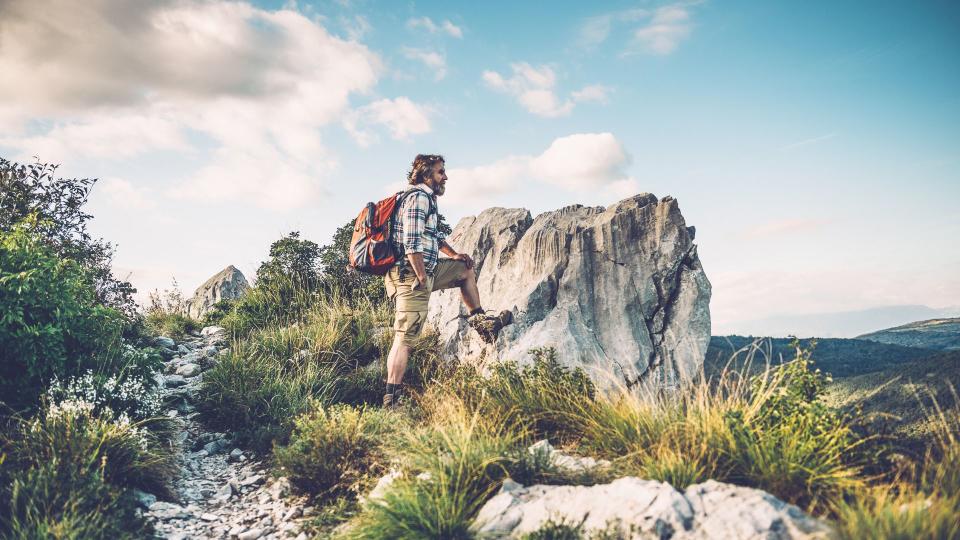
{"type": "Point", "coordinates": [371, 246]}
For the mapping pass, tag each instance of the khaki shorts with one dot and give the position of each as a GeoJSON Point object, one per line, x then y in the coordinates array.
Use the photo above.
{"type": "Point", "coordinates": [412, 301]}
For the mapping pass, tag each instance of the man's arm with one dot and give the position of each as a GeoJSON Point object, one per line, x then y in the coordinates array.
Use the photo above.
{"type": "Point", "coordinates": [448, 250]}
{"type": "Point", "coordinates": [419, 270]}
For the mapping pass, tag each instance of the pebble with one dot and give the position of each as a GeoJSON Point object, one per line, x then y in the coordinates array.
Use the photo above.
{"type": "Point", "coordinates": [252, 534]}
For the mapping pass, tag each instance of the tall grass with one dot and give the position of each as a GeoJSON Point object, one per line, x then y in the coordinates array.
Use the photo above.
{"type": "Point", "coordinates": [65, 474]}
{"type": "Point", "coordinates": [283, 357]}
{"type": "Point", "coordinates": [920, 502]}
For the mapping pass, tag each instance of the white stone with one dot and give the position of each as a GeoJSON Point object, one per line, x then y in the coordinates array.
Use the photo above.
{"type": "Point", "coordinates": [645, 508]}
{"type": "Point", "coordinates": [729, 511]}
{"type": "Point", "coordinates": [642, 506]}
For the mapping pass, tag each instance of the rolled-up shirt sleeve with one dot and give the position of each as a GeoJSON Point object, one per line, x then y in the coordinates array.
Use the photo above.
{"type": "Point", "coordinates": [415, 211]}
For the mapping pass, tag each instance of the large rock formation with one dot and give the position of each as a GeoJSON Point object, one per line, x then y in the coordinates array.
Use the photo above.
{"type": "Point", "coordinates": [618, 291]}
{"type": "Point", "coordinates": [224, 285]}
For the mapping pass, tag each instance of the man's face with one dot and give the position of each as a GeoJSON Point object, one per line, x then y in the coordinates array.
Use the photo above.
{"type": "Point", "coordinates": [437, 178]}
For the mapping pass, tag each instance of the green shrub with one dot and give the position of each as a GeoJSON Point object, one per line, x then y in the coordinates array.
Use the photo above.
{"type": "Point", "coordinates": [51, 501]}
{"type": "Point", "coordinates": [337, 450]}
{"type": "Point", "coordinates": [65, 473]}
{"type": "Point", "coordinates": [51, 324]}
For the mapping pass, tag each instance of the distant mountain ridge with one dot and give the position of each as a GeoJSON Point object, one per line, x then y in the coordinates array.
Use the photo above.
{"type": "Point", "coordinates": [844, 324]}
{"type": "Point", "coordinates": [939, 334]}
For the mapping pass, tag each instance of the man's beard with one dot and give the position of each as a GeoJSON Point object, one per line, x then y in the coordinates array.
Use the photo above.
{"type": "Point", "coordinates": [440, 189]}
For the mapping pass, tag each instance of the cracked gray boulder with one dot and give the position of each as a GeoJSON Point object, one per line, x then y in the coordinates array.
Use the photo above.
{"type": "Point", "coordinates": [618, 291]}
{"type": "Point", "coordinates": [226, 284]}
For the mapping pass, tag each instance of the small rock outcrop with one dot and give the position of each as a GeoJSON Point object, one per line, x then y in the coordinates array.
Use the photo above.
{"type": "Point", "coordinates": [637, 508]}
{"type": "Point", "coordinates": [618, 291]}
{"type": "Point", "coordinates": [226, 284]}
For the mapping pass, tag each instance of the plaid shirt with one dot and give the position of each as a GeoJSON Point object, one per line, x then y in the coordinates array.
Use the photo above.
{"type": "Point", "coordinates": [415, 230]}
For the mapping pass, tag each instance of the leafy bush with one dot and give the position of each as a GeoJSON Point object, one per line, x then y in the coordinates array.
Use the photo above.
{"type": "Point", "coordinates": [215, 315]}
{"type": "Point", "coordinates": [336, 450]}
{"type": "Point", "coordinates": [291, 257]}
{"type": "Point", "coordinates": [32, 193]}
{"type": "Point", "coordinates": [51, 323]}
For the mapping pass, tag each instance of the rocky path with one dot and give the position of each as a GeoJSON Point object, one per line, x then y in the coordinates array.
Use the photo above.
{"type": "Point", "coordinates": [222, 491]}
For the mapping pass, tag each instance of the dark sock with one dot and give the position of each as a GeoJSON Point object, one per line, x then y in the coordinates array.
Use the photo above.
{"type": "Point", "coordinates": [478, 310]}
{"type": "Point", "coordinates": [397, 390]}
{"type": "Point", "coordinates": [392, 388]}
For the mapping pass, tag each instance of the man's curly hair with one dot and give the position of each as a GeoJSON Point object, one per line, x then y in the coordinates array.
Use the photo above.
{"type": "Point", "coordinates": [421, 165]}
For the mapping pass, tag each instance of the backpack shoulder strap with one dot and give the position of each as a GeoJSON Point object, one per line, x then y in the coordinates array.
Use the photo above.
{"type": "Point", "coordinates": [402, 197]}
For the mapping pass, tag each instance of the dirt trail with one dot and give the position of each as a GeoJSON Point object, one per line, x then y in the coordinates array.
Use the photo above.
{"type": "Point", "coordinates": [222, 492]}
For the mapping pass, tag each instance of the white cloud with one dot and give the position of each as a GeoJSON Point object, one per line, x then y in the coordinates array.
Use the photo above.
{"type": "Point", "coordinates": [432, 59]}
{"type": "Point", "coordinates": [119, 79]}
{"type": "Point", "coordinates": [660, 32]}
{"type": "Point", "coordinates": [427, 24]}
{"type": "Point", "coordinates": [401, 116]}
{"type": "Point", "coordinates": [535, 89]}
{"type": "Point", "coordinates": [666, 29]}
{"type": "Point", "coordinates": [122, 193]}
{"type": "Point", "coordinates": [576, 163]}
{"type": "Point", "coordinates": [596, 93]}
{"type": "Point", "coordinates": [115, 136]}
{"type": "Point", "coordinates": [582, 161]}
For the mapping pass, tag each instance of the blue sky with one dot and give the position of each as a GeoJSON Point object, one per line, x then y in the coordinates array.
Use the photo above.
{"type": "Point", "coordinates": [814, 145]}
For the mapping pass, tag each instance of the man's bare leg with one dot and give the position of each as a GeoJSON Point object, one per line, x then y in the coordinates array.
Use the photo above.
{"type": "Point", "coordinates": [468, 290]}
{"type": "Point", "coordinates": [397, 360]}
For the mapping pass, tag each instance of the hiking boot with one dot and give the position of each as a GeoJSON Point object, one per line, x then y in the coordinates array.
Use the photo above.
{"type": "Point", "coordinates": [389, 402]}
{"type": "Point", "coordinates": [488, 326]}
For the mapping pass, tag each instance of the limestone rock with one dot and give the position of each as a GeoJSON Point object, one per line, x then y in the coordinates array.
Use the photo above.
{"type": "Point", "coordinates": [652, 509]}
{"type": "Point", "coordinates": [647, 509]}
{"type": "Point", "coordinates": [619, 291]}
{"type": "Point", "coordinates": [728, 511]}
{"type": "Point", "coordinates": [224, 285]}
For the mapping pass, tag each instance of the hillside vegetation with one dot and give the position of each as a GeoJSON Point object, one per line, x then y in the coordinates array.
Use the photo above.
{"type": "Point", "coordinates": [939, 334]}
{"type": "Point", "coordinates": [78, 385]}
{"type": "Point", "coordinates": [837, 356]}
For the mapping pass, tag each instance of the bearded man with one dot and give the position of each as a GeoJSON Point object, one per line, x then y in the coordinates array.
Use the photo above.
{"type": "Point", "coordinates": [421, 270]}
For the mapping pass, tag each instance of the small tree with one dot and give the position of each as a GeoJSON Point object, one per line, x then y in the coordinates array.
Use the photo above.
{"type": "Point", "coordinates": [57, 206]}
{"type": "Point", "coordinates": [291, 257]}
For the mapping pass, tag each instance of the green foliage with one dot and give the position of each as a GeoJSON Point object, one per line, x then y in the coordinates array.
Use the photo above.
{"type": "Point", "coordinates": [66, 472]}
{"type": "Point", "coordinates": [291, 257]}
{"type": "Point", "coordinates": [336, 450]}
{"type": "Point", "coordinates": [51, 323]}
{"type": "Point", "coordinates": [32, 193]}
{"type": "Point", "coordinates": [218, 311]}
{"type": "Point", "coordinates": [166, 314]}
{"type": "Point", "coordinates": [337, 275]}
